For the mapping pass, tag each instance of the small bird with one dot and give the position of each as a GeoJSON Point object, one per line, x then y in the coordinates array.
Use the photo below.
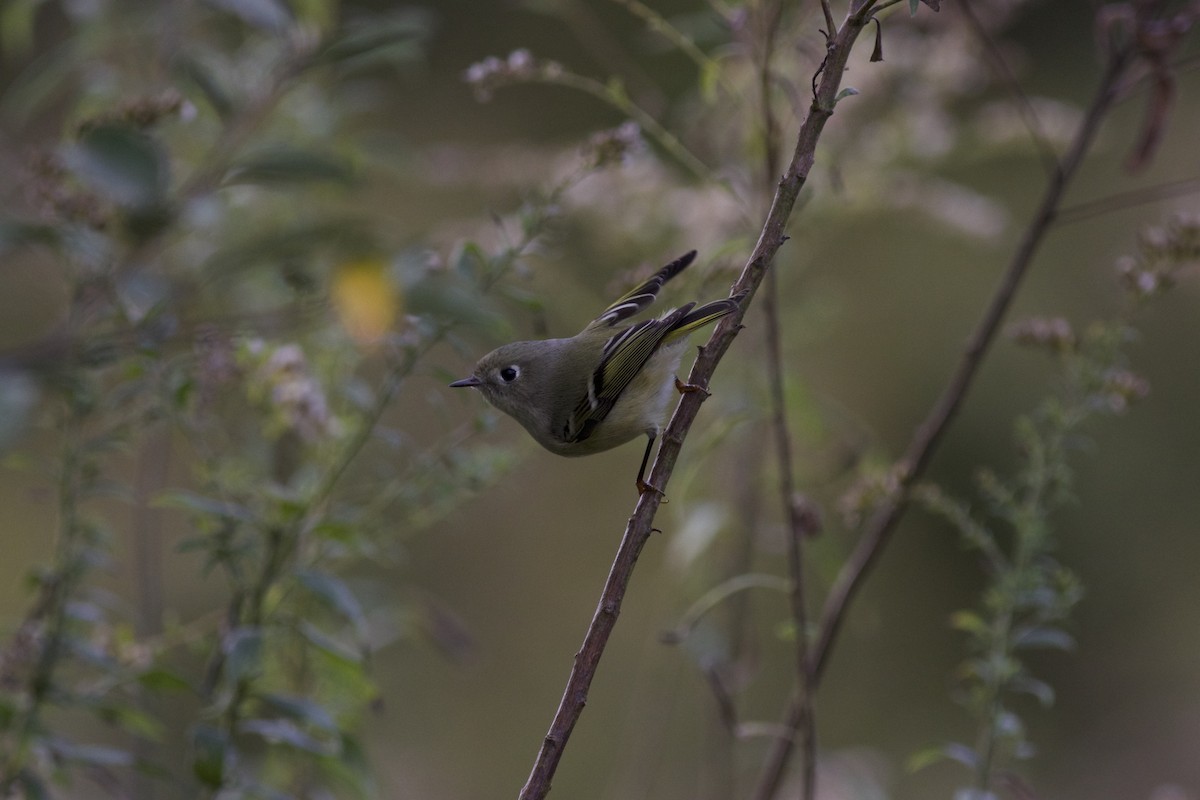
{"type": "Point", "coordinates": [605, 385]}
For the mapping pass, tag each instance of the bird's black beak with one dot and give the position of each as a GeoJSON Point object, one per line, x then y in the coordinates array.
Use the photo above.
{"type": "Point", "coordinates": [471, 381]}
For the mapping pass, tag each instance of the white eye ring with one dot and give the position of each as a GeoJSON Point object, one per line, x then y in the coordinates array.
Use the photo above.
{"type": "Point", "coordinates": [510, 373]}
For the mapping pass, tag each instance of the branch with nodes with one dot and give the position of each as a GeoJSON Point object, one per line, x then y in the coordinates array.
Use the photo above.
{"type": "Point", "coordinates": [640, 525]}
{"type": "Point", "coordinates": [802, 522]}
{"type": "Point", "coordinates": [928, 435]}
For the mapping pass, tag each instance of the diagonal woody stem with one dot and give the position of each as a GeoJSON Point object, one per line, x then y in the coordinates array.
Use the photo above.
{"type": "Point", "coordinates": [639, 527]}
{"type": "Point", "coordinates": [920, 450]}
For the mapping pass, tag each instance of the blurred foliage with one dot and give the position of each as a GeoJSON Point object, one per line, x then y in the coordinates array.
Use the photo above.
{"type": "Point", "coordinates": [1029, 594]}
{"type": "Point", "coordinates": [224, 289]}
{"type": "Point", "coordinates": [208, 201]}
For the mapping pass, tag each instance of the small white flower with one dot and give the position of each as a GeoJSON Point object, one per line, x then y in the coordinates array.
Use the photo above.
{"type": "Point", "coordinates": [520, 60]}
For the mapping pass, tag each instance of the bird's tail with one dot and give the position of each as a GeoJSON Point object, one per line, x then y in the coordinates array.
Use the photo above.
{"type": "Point", "coordinates": [699, 317]}
{"type": "Point", "coordinates": [644, 293]}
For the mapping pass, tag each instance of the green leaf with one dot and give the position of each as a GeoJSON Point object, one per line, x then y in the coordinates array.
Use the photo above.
{"type": "Point", "coordinates": [351, 768]}
{"type": "Point", "coordinates": [913, 5]}
{"type": "Point", "coordinates": [8, 710]}
{"type": "Point", "coordinates": [615, 88]}
{"type": "Point", "coordinates": [849, 91]}
{"type": "Point", "coordinates": [1009, 725]}
{"type": "Point", "coordinates": [16, 27]}
{"type": "Point", "coordinates": [200, 76]}
{"type": "Point", "coordinates": [32, 787]}
{"type": "Point", "coordinates": [283, 165]}
{"type": "Point", "coordinates": [337, 596]}
{"type": "Point", "coordinates": [125, 165]}
{"type": "Point", "coordinates": [963, 754]}
{"type": "Point", "coordinates": [298, 241]}
{"type": "Point", "coordinates": [1030, 685]}
{"type": "Point", "coordinates": [163, 680]}
{"type": "Point", "coordinates": [329, 645]}
{"type": "Point", "coordinates": [925, 757]}
{"type": "Point", "coordinates": [1035, 598]}
{"type": "Point", "coordinates": [975, 794]}
{"type": "Point", "coordinates": [301, 709]}
{"type": "Point", "coordinates": [472, 262]}
{"type": "Point", "coordinates": [449, 633]}
{"type": "Point", "coordinates": [443, 296]}
{"type": "Point", "coordinates": [969, 622]}
{"type": "Point", "coordinates": [243, 653]}
{"type": "Point", "coordinates": [210, 754]}
{"type": "Point", "coordinates": [710, 78]}
{"type": "Point", "coordinates": [268, 15]}
{"type": "Point", "coordinates": [41, 86]}
{"type": "Point", "coordinates": [286, 732]}
{"type": "Point", "coordinates": [208, 506]}
{"type": "Point", "coordinates": [132, 720]}
{"type": "Point", "coordinates": [950, 751]}
{"type": "Point", "coordinates": [91, 755]}
{"type": "Point", "coordinates": [1042, 637]}
{"type": "Point", "coordinates": [524, 298]}
{"type": "Point", "coordinates": [15, 234]}
{"type": "Point", "coordinates": [379, 40]}
{"type": "Point", "coordinates": [18, 398]}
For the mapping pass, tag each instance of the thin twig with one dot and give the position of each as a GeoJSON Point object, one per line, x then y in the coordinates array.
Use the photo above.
{"type": "Point", "coordinates": [639, 527]}
{"type": "Point", "coordinates": [602, 91]}
{"type": "Point", "coordinates": [50, 610]}
{"type": "Point", "coordinates": [717, 595]}
{"type": "Point", "coordinates": [659, 24]}
{"type": "Point", "coordinates": [797, 527]}
{"type": "Point", "coordinates": [830, 25]}
{"type": "Point", "coordinates": [930, 432]}
{"type": "Point", "coordinates": [591, 31]}
{"type": "Point", "coordinates": [1009, 81]}
{"type": "Point", "coordinates": [1129, 199]}
{"type": "Point", "coordinates": [920, 450]}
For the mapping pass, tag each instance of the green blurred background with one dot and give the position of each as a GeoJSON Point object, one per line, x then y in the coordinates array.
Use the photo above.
{"type": "Point", "coordinates": [879, 294]}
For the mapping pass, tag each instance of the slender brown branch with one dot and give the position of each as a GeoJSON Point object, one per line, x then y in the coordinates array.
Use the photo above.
{"type": "Point", "coordinates": [1129, 199]}
{"type": "Point", "coordinates": [639, 527]}
{"type": "Point", "coordinates": [828, 12]}
{"type": "Point", "coordinates": [929, 434]}
{"type": "Point", "coordinates": [1009, 81]}
{"type": "Point", "coordinates": [798, 529]}
{"type": "Point", "coordinates": [916, 458]}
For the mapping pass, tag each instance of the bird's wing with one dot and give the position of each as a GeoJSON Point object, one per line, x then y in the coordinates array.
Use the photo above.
{"type": "Point", "coordinates": [625, 354]}
{"type": "Point", "coordinates": [641, 295]}
{"type": "Point", "coordinates": [622, 359]}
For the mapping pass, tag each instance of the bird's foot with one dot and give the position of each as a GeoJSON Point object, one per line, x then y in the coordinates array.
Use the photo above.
{"type": "Point", "coordinates": [690, 388]}
{"type": "Point", "coordinates": [644, 486]}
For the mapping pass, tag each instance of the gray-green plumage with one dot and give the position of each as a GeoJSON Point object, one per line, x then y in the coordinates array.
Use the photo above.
{"type": "Point", "coordinates": [603, 386]}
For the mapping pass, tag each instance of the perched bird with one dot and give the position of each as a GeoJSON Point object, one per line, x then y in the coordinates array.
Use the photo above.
{"type": "Point", "coordinates": [605, 385]}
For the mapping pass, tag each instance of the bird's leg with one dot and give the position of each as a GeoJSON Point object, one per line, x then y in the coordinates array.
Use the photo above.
{"type": "Point", "coordinates": [689, 388]}
{"type": "Point", "coordinates": [642, 485]}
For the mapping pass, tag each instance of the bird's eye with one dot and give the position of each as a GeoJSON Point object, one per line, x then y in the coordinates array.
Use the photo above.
{"type": "Point", "coordinates": [510, 374]}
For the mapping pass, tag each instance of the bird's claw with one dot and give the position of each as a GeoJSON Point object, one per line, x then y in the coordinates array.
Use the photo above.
{"type": "Point", "coordinates": [690, 388]}
{"type": "Point", "coordinates": [644, 486]}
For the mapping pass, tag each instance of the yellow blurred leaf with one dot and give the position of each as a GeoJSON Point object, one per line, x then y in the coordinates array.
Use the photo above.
{"type": "Point", "coordinates": [366, 301]}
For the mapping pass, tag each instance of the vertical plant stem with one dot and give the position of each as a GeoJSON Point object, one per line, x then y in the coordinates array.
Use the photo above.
{"type": "Point", "coordinates": [1009, 81]}
{"type": "Point", "coordinates": [153, 463]}
{"type": "Point", "coordinates": [638, 529]}
{"type": "Point", "coordinates": [928, 435]}
{"type": "Point", "coordinates": [798, 529]}
{"type": "Point", "coordinates": [797, 526]}
{"type": "Point", "coordinates": [1029, 543]}
{"type": "Point", "coordinates": [46, 622]}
